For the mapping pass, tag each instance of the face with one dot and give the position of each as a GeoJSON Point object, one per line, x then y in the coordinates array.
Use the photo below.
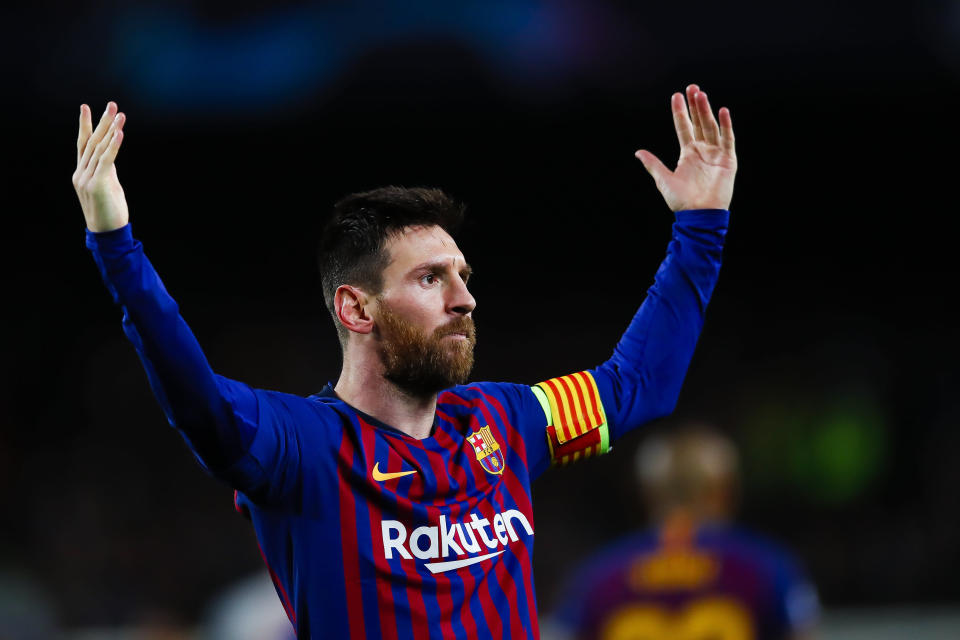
{"type": "Point", "coordinates": [424, 312]}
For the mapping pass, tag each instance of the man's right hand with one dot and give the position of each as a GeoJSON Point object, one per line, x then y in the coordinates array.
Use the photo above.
{"type": "Point", "coordinates": [95, 180]}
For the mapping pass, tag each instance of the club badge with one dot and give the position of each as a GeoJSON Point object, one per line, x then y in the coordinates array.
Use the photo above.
{"type": "Point", "coordinates": [488, 451]}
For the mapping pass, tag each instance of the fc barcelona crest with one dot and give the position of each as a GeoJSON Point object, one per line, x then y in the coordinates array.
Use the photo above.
{"type": "Point", "coordinates": [488, 451]}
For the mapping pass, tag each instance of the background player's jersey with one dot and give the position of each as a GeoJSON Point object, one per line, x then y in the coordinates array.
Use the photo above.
{"type": "Point", "coordinates": [718, 583]}
{"type": "Point", "coordinates": [370, 533]}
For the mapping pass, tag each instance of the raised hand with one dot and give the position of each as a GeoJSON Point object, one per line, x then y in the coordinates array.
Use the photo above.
{"type": "Point", "coordinates": [95, 179]}
{"type": "Point", "coordinates": [704, 175]}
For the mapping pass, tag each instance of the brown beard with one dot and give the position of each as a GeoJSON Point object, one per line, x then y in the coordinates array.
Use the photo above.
{"type": "Point", "coordinates": [421, 364]}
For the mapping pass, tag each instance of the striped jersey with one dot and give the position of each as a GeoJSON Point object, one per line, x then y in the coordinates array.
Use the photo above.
{"type": "Point", "coordinates": [370, 533]}
{"type": "Point", "coordinates": [717, 581]}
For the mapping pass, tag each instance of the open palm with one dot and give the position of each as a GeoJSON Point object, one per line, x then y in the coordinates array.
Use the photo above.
{"type": "Point", "coordinates": [705, 171]}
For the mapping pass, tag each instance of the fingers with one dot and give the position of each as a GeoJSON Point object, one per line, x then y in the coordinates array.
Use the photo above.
{"type": "Point", "coordinates": [654, 167]}
{"type": "Point", "coordinates": [681, 120]}
{"type": "Point", "coordinates": [110, 145]}
{"type": "Point", "coordinates": [94, 138]}
{"type": "Point", "coordinates": [692, 91]}
{"type": "Point", "coordinates": [84, 132]}
{"type": "Point", "coordinates": [726, 130]}
{"type": "Point", "coordinates": [711, 132]}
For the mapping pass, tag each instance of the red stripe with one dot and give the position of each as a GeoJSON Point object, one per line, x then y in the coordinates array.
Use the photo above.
{"type": "Point", "coordinates": [576, 427]}
{"type": "Point", "coordinates": [589, 439]}
{"type": "Point", "coordinates": [564, 425]}
{"type": "Point", "coordinates": [348, 540]}
{"type": "Point", "coordinates": [459, 473]}
{"type": "Point", "coordinates": [592, 396]}
{"type": "Point", "coordinates": [386, 605]}
{"type": "Point", "coordinates": [589, 417]}
{"type": "Point", "coordinates": [491, 614]}
{"type": "Point", "coordinates": [442, 581]}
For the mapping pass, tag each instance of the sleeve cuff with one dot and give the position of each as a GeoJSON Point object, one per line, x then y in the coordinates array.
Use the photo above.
{"type": "Point", "coordinates": [704, 217]}
{"type": "Point", "coordinates": [117, 240]}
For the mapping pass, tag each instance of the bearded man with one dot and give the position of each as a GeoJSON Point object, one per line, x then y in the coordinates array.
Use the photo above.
{"type": "Point", "coordinates": [396, 504]}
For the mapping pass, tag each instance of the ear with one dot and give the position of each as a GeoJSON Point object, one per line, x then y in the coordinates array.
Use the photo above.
{"type": "Point", "coordinates": [350, 304]}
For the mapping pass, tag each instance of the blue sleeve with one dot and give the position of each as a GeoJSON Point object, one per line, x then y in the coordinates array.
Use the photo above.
{"type": "Point", "coordinates": [244, 436]}
{"type": "Point", "coordinates": [642, 380]}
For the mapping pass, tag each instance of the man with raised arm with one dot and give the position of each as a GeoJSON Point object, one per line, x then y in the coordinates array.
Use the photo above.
{"type": "Point", "coordinates": [396, 504]}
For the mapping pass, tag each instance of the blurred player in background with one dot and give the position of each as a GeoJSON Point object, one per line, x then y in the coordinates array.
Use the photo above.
{"type": "Point", "coordinates": [695, 575]}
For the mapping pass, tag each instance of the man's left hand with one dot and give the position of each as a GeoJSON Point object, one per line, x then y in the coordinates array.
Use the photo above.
{"type": "Point", "coordinates": [704, 175]}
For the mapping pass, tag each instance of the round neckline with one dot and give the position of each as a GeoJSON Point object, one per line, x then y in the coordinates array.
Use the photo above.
{"type": "Point", "coordinates": [329, 392]}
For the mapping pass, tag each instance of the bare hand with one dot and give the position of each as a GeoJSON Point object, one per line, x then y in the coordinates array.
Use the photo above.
{"type": "Point", "coordinates": [95, 180]}
{"type": "Point", "coordinates": [704, 175]}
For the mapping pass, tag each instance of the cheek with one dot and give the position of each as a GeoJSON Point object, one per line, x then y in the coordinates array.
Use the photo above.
{"type": "Point", "coordinates": [424, 307]}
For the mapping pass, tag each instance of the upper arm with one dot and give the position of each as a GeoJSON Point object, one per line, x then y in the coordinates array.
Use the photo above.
{"type": "Point", "coordinates": [270, 432]}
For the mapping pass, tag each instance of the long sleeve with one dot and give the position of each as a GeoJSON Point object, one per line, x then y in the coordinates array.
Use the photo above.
{"type": "Point", "coordinates": [642, 380]}
{"type": "Point", "coordinates": [217, 417]}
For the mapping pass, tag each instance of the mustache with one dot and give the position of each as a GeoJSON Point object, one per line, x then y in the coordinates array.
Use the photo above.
{"type": "Point", "coordinates": [462, 325]}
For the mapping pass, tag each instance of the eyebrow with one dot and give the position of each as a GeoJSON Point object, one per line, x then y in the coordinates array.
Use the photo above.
{"type": "Point", "coordinates": [466, 271]}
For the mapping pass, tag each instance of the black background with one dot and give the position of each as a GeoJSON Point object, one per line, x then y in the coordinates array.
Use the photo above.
{"type": "Point", "coordinates": [839, 274]}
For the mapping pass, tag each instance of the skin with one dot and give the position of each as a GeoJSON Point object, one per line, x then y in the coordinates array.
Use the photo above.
{"type": "Point", "coordinates": [702, 179]}
{"type": "Point", "coordinates": [425, 283]}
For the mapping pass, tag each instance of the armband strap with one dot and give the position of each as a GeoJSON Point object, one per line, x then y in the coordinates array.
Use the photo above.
{"type": "Point", "coordinates": [576, 423]}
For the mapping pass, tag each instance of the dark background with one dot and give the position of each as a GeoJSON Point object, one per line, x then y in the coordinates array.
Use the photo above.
{"type": "Point", "coordinates": [830, 346]}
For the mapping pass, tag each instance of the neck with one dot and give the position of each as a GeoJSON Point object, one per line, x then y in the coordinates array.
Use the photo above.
{"type": "Point", "coordinates": [363, 386]}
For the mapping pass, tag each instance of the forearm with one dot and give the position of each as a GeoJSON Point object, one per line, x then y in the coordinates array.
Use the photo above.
{"type": "Point", "coordinates": [642, 379]}
{"type": "Point", "coordinates": [191, 396]}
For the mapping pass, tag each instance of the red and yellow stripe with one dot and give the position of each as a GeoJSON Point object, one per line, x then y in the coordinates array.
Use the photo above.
{"type": "Point", "coordinates": [578, 426]}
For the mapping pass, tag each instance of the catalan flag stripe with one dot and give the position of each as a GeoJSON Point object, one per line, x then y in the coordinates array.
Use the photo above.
{"type": "Point", "coordinates": [579, 420]}
{"type": "Point", "coordinates": [575, 404]}
{"type": "Point", "coordinates": [559, 417]}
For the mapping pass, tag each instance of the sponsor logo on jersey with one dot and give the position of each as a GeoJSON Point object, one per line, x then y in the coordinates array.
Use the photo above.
{"type": "Point", "coordinates": [488, 450]}
{"type": "Point", "coordinates": [380, 476]}
{"type": "Point", "coordinates": [452, 545]}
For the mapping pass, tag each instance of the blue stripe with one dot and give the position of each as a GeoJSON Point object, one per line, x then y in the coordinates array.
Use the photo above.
{"type": "Point", "coordinates": [368, 586]}
{"type": "Point", "coordinates": [476, 608]}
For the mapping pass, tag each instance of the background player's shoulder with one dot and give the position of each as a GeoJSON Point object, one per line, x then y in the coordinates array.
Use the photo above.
{"type": "Point", "coordinates": [614, 557]}
{"type": "Point", "coordinates": [756, 544]}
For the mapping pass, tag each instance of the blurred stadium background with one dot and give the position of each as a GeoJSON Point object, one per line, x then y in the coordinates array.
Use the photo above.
{"type": "Point", "coordinates": [829, 353]}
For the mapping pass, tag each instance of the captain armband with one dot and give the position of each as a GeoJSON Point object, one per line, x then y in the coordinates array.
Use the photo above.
{"type": "Point", "coordinates": [576, 423]}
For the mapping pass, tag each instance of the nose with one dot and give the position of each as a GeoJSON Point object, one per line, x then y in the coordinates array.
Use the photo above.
{"type": "Point", "coordinates": [460, 299]}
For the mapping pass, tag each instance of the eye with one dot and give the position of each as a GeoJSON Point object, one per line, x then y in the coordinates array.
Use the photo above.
{"type": "Point", "coordinates": [429, 279]}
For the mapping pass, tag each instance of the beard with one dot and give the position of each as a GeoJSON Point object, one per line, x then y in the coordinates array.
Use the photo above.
{"type": "Point", "coordinates": [420, 364]}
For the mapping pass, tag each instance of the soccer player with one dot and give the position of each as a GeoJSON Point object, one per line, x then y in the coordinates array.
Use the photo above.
{"type": "Point", "coordinates": [396, 503]}
{"type": "Point", "coordinates": [695, 575]}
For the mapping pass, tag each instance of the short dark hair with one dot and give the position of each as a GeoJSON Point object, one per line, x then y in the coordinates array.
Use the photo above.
{"type": "Point", "coordinates": [353, 243]}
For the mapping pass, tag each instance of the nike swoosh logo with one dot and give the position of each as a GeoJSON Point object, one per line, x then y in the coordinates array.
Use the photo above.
{"type": "Point", "coordinates": [440, 567]}
{"type": "Point", "coordinates": [380, 477]}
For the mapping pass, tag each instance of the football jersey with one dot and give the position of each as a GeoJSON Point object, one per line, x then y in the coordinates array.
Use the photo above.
{"type": "Point", "coordinates": [715, 582]}
{"type": "Point", "coordinates": [370, 533]}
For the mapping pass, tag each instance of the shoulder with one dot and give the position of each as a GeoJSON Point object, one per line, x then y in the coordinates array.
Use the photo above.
{"type": "Point", "coordinates": [302, 414]}
{"type": "Point", "coordinates": [798, 604]}
{"type": "Point", "coordinates": [614, 557]}
{"type": "Point", "coordinates": [772, 555]}
{"type": "Point", "coordinates": [504, 400]}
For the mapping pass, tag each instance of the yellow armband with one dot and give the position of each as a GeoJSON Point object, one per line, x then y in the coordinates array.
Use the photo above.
{"type": "Point", "coordinates": [576, 423]}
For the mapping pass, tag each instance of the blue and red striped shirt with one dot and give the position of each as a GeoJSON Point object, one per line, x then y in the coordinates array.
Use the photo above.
{"type": "Point", "coordinates": [721, 580]}
{"type": "Point", "coordinates": [371, 533]}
